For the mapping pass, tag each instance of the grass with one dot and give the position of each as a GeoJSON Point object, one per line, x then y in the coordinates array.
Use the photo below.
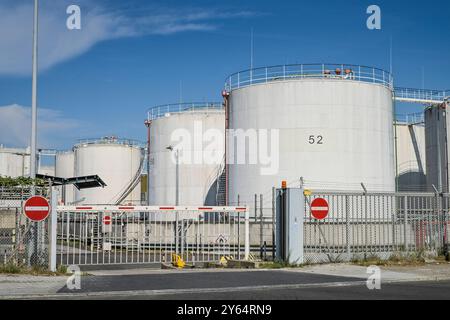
{"type": "Point", "coordinates": [11, 268]}
{"type": "Point", "coordinates": [396, 259]}
{"type": "Point", "coordinates": [277, 264]}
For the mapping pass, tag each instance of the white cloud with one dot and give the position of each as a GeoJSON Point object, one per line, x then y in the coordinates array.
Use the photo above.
{"type": "Point", "coordinates": [15, 127]}
{"type": "Point", "coordinates": [58, 44]}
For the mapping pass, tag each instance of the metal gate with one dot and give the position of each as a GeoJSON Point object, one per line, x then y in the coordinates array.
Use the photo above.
{"type": "Point", "coordinates": [138, 234]}
{"type": "Point", "coordinates": [359, 225]}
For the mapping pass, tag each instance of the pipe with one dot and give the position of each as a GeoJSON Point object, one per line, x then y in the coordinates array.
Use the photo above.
{"type": "Point", "coordinates": [226, 96]}
{"type": "Point", "coordinates": [147, 124]}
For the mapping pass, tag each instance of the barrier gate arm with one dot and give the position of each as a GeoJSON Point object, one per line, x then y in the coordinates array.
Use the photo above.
{"type": "Point", "coordinates": [108, 208]}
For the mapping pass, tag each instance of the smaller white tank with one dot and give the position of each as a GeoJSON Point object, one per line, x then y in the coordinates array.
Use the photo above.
{"type": "Point", "coordinates": [14, 162]}
{"type": "Point", "coordinates": [187, 132]}
{"type": "Point", "coordinates": [118, 162]}
{"type": "Point", "coordinates": [65, 168]}
{"type": "Point", "coordinates": [411, 155]}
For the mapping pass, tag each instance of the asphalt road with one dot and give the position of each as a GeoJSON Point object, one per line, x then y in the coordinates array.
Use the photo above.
{"type": "Point", "coordinates": [244, 285]}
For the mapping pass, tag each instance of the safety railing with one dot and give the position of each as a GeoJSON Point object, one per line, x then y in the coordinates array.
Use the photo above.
{"type": "Point", "coordinates": [110, 140]}
{"type": "Point", "coordinates": [140, 234]}
{"type": "Point", "coordinates": [411, 118]}
{"type": "Point", "coordinates": [424, 96]}
{"type": "Point", "coordinates": [163, 110]}
{"type": "Point", "coordinates": [309, 71]}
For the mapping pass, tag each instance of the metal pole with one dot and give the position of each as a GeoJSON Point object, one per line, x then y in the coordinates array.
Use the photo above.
{"type": "Point", "coordinates": [256, 207]}
{"type": "Point", "coordinates": [247, 235]}
{"type": "Point", "coordinates": [52, 229]}
{"type": "Point", "coordinates": [177, 180]}
{"type": "Point", "coordinates": [147, 124]}
{"type": "Point", "coordinates": [261, 235]}
{"type": "Point", "coordinates": [34, 95]}
{"type": "Point", "coordinates": [274, 190]}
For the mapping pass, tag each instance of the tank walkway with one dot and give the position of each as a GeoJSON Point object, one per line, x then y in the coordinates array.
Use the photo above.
{"type": "Point", "coordinates": [422, 96]}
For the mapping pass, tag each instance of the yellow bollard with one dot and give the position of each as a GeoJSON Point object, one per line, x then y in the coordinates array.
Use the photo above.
{"type": "Point", "coordinates": [177, 261]}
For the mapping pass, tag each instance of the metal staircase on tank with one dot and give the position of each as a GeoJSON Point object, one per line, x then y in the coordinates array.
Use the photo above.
{"type": "Point", "coordinates": [422, 96]}
{"type": "Point", "coordinates": [134, 182]}
{"type": "Point", "coordinates": [221, 185]}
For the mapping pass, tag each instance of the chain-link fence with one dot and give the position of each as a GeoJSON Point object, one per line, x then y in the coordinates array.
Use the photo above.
{"type": "Point", "coordinates": [359, 226]}
{"type": "Point", "coordinates": [364, 225]}
{"type": "Point", "coordinates": [22, 242]}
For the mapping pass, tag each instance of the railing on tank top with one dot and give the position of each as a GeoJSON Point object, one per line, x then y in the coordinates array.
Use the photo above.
{"type": "Point", "coordinates": [309, 71]}
{"type": "Point", "coordinates": [162, 110]}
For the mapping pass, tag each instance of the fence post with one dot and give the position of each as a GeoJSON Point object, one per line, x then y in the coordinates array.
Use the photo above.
{"type": "Point", "coordinates": [53, 229]}
{"type": "Point", "coordinates": [274, 190]}
{"type": "Point", "coordinates": [347, 227]}
{"type": "Point", "coordinates": [256, 207]}
{"type": "Point", "coordinates": [405, 199]}
{"type": "Point", "coordinates": [261, 236]}
{"type": "Point", "coordinates": [247, 235]}
{"type": "Point", "coordinates": [176, 233]}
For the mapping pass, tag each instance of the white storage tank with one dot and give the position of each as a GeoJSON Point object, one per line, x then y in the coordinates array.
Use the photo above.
{"type": "Point", "coordinates": [14, 162]}
{"type": "Point", "coordinates": [65, 168]}
{"type": "Point", "coordinates": [335, 128]}
{"type": "Point", "coordinates": [117, 162]}
{"type": "Point", "coordinates": [194, 131]}
{"type": "Point", "coordinates": [411, 156]}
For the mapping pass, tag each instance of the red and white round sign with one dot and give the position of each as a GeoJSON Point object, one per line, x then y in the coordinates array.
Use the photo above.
{"type": "Point", "coordinates": [36, 208]}
{"type": "Point", "coordinates": [319, 208]}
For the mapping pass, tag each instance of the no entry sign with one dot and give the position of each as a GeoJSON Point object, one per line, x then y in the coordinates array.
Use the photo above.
{"type": "Point", "coordinates": [36, 208]}
{"type": "Point", "coordinates": [107, 220]}
{"type": "Point", "coordinates": [319, 208]}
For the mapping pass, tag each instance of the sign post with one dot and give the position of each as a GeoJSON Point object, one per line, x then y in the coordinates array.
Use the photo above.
{"type": "Point", "coordinates": [53, 230]}
{"type": "Point", "coordinates": [36, 209]}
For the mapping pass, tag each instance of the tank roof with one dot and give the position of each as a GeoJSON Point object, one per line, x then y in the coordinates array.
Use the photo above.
{"type": "Point", "coordinates": [162, 110]}
{"type": "Point", "coordinates": [326, 71]}
{"type": "Point", "coordinates": [109, 140]}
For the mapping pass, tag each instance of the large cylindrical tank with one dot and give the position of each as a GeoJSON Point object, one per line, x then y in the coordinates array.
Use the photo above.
{"type": "Point", "coordinates": [194, 131]}
{"type": "Point", "coordinates": [14, 162]}
{"type": "Point", "coordinates": [117, 162]}
{"type": "Point", "coordinates": [330, 124]}
{"type": "Point", "coordinates": [65, 168]}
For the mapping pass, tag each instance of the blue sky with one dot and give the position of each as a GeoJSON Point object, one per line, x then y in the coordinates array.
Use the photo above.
{"type": "Point", "coordinates": [101, 79]}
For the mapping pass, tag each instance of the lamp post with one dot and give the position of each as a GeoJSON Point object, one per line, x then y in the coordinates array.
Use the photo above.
{"type": "Point", "coordinates": [34, 95]}
{"type": "Point", "coordinates": [177, 175]}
